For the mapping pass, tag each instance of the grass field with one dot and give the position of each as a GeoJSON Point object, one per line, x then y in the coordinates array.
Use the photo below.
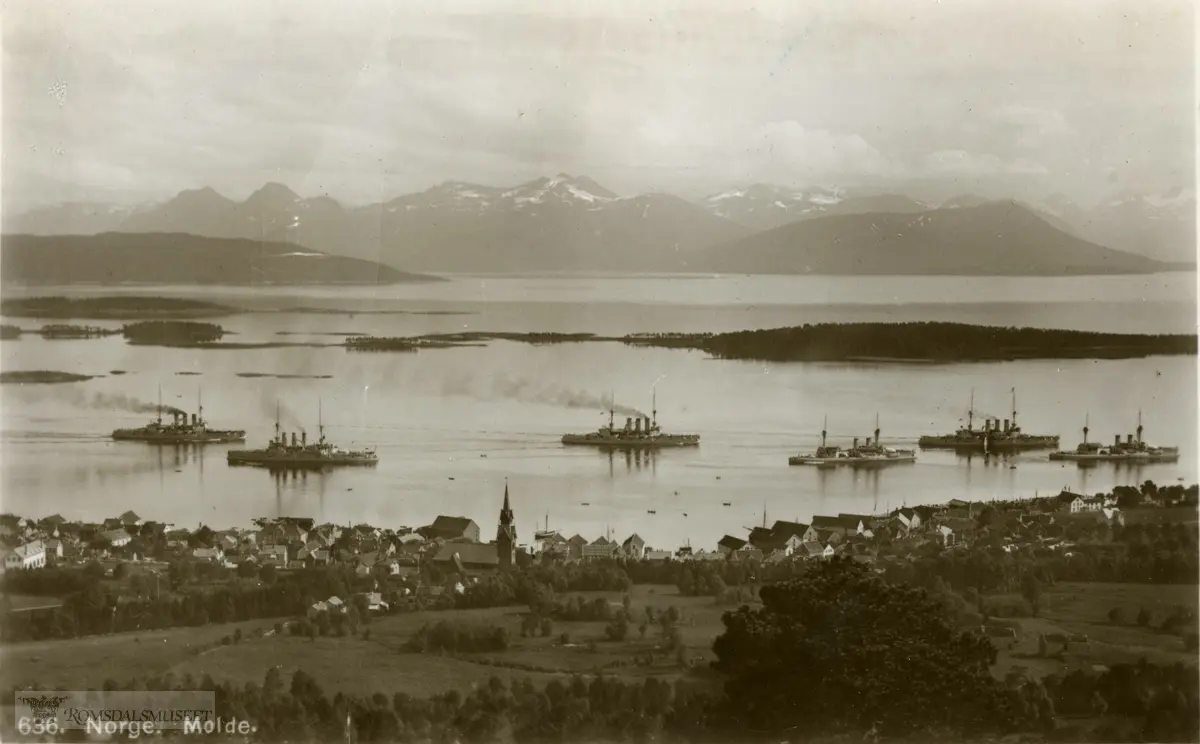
{"type": "Point", "coordinates": [379, 664]}
{"type": "Point", "coordinates": [354, 665]}
{"type": "Point", "coordinates": [1083, 608]}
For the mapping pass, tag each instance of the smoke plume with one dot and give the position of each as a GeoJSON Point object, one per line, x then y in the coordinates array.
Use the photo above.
{"type": "Point", "coordinates": [111, 402]}
{"type": "Point", "coordinates": [524, 390]}
{"type": "Point", "coordinates": [272, 406]}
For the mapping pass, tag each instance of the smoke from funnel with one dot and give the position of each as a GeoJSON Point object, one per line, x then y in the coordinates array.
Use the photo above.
{"type": "Point", "coordinates": [271, 405]}
{"type": "Point", "coordinates": [521, 389]}
{"type": "Point", "coordinates": [110, 402]}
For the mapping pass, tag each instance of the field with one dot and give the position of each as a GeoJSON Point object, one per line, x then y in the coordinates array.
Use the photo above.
{"type": "Point", "coordinates": [1083, 608]}
{"type": "Point", "coordinates": [357, 666]}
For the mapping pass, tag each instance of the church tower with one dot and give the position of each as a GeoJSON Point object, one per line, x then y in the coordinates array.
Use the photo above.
{"type": "Point", "coordinates": [506, 536]}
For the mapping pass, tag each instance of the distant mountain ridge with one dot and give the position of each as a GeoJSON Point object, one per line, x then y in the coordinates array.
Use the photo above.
{"type": "Point", "coordinates": [992, 239]}
{"type": "Point", "coordinates": [174, 258]}
{"type": "Point", "coordinates": [570, 223]}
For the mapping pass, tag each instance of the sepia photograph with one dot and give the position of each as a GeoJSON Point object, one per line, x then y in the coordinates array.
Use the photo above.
{"type": "Point", "coordinates": [600, 371]}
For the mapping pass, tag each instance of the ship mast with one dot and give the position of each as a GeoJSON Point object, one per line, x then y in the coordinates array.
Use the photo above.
{"type": "Point", "coordinates": [1086, 418]}
{"type": "Point", "coordinates": [160, 404]}
{"type": "Point", "coordinates": [612, 403]}
{"type": "Point", "coordinates": [1014, 401]}
{"type": "Point", "coordinates": [199, 404]}
{"type": "Point", "coordinates": [653, 408]}
{"type": "Point", "coordinates": [320, 422]}
{"type": "Point", "coordinates": [277, 420]}
{"type": "Point", "coordinates": [971, 411]}
{"type": "Point", "coordinates": [824, 426]}
{"type": "Point", "coordinates": [1139, 429]}
{"type": "Point", "coordinates": [877, 428]}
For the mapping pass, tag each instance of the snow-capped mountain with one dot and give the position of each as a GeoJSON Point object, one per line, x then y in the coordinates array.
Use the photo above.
{"type": "Point", "coordinates": [766, 206]}
{"type": "Point", "coordinates": [559, 223]}
{"type": "Point", "coordinates": [1158, 225]}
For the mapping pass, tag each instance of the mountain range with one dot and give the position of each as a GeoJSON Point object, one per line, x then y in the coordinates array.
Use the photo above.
{"type": "Point", "coordinates": [176, 258]}
{"type": "Point", "coordinates": [567, 223]}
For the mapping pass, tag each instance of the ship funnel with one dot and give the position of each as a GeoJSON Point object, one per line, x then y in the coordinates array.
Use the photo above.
{"type": "Point", "coordinates": [628, 423]}
{"type": "Point", "coordinates": [293, 439]}
{"type": "Point", "coordinates": [1006, 425]}
{"type": "Point", "coordinates": [1128, 439]}
{"type": "Point", "coordinates": [856, 442]}
{"type": "Point", "coordinates": [637, 425]}
{"type": "Point", "coordinates": [1116, 439]}
{"type": "Point", "coordinates": [304, 438]}
{"type": "Point", "coordinates": [194, 419]}
{"type": "Point", "coordinates": [647, 425]}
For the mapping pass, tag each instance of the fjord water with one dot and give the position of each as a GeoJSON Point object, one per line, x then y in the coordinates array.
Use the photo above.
{"type": "Point", "coordinates": [451, 425]}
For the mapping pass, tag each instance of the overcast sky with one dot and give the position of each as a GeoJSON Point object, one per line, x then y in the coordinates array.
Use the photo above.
{"type": "Point", "coordinates": [365, 100]}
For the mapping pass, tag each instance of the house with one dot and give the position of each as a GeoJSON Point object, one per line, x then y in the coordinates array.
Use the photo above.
{"type": "Point", "coordinates": [375, 602]}
{"type": "Point", "coordinates": [335, 605]}
{"type": "Point", "coordinates": [856, 524]}
{"type": "Point", "coordinates": [964, 528]}
{"type": "Point", "coordinates": [747, 552]}
{"type": "Point", "coordinates": [829, 537]}
{"type": "Point", "coordinates": [467, 556]}
{"type": "Point", "coordinates": [274, 554]}
{"type": "Point", "coordinates": [831, 524]}
{"type": "Point", "coordinates": [602, 547]}
{"type": "Point", "coordinates": [634, 547]}
{"type": "Point", "coordinates": [944, 535]}
{"type": "Point", "coordinates": [130, 519]}
{"type": "Point", "coordinates": [452, 528]}
{"type": "Point", "coordinates": [228, 541]}
{"type": "Point", "coordinates": [28, 556]}
{"type": "Point", "coordinates": [783, 530]}
{"type": "Point", "coordinates": [116, 538]}
{"type": "Point", "coordinates": [1085, 504]}
{"type": "Point", "coordinates": [910, 518]}
{"type": "Point", "coordinates": [214, 554]}
{"type": "Point", "coordinates": [316, 609]}
{"type": "Point", "coordinates": [1115, 516]}
{"type": "Point", "coordinates": [575, 547]}
{"type": "Point", "coordinates": [729, 543]}
{"type": "Point", "coordinates": [54, 550]}
{"type": "Point", "coordinates": [658, 555]}
{"type": "Point", "coordinates": [815, 550]}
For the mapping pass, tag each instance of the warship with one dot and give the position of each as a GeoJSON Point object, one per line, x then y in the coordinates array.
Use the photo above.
{"type": "Point", "coordinates": [179, 431]}
{"type": "Point", "coordinates": [1131, 450]}
{"type": "Point", "coordinates": [282, 454]}
{"type": "Point", "coordinates": [638, 432]}
{"type": "Point", "coordinates": [870, 453]}
{"type": "Point", "coordinates": [992, 437]}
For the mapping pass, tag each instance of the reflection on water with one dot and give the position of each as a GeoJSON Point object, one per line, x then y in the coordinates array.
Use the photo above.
{"type": "Point", "coordinates": [448, 436]}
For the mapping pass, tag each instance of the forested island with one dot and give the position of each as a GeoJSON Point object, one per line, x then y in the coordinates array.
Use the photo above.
{"type": "Point", "coordinates": [25, 377]}
{"type": "Point", "coordinates": [918, 342]}
{"type": "Point", "coordinates": [114, 308]}
{"type": "Point", "coordinates": [172, 333]}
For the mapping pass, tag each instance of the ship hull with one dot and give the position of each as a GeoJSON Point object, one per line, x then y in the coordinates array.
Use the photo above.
{"type": "Point", "coordinates": [583, 440]}
{"type": "Point", "coordinates": [212, 437]}
{"type": "Point", "coordinates": [241, 458]}
{"type": "Point", "coordinates": [1010, 445]}
{"type": "Point", "coordinates": [1136, 457]}
{"type": "Point", "coordinates": [858, 462]}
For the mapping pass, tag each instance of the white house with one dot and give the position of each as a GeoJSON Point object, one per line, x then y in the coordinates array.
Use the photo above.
{"type": "Point", "coordinates": [116, 538]}
{"type": "Point", "coordinates": [1082, 504]}
{"type": "Point", "coordinates": [27, 556]}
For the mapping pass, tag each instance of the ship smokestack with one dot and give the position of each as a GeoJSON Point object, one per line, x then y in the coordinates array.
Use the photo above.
{"type": "Point", "coordinates": [637, 425]}
{"type": "Point", "coordinates": [1116, 440]}
{"type": "Point", "coordinates": [194, 419]}
{"type": "Point", "coordinates": [293, 439]}
{"type": "Point", "coordinates": [647, 426]}
{"type": "Point", "coordinates": [856, 442]}
{"type": "Point", "coordinates": [304, 438]}
{"type": "Point", "coordinates": [1128, 439]}
{"type": "Point", "coordinates": [628, 423]}
{"type": "Point", "coordinates": [1006, 425]}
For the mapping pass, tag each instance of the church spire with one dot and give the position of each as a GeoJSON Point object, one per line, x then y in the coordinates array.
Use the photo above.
{"type": "Point", "coordinates": [506, 534]}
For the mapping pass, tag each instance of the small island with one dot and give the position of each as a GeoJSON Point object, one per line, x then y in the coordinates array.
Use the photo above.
{"type": "Point", "coordinates": [9, 332]}
{"type": "Point", "coordinates": [40, 376]}
{"type": "Point", "coordinates": [172, 333]}
{"type": "Point", "coordinates": [918, 342]}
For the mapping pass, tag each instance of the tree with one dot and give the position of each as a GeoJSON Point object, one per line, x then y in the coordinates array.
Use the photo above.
{"type": "Point", "coordinates": [873, 653]}
{"type": "Point", "coordinates": [1118, 616]}
{"type": "Point", "coordinates": [1144, 617]}
{"type": "Point", "coordinates": [1031, 589]}
{"type": "Point", "coordinates": [119, 571]}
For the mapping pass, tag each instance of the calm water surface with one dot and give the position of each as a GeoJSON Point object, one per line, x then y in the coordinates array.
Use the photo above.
{"type": "Point", "coordinates": [451, 425]}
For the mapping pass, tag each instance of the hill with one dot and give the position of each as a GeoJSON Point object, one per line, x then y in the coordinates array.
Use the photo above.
{"type": "Point", "coordinates": [765, 206]}
{"type": "Point", "coordinates": [562, 223]}
{"type": "Point", "coordinates": [172, 258]}
{"type": "Point", "coordinates": [993, 239]}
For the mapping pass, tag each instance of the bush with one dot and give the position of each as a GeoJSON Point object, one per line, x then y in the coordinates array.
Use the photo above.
{"type": "Point", "coordinates": [459, 637]}
{"type": "Point", "coordinates": [1007, 605]}
{"type": "Point", "coordinates": [564, 639]}
{"type": "Point", "coordinates": [617, 629]}
{"type": "Point", "coordinates": [1145, 617]}
{"type": "Point", "coordinates": [1118, 616]}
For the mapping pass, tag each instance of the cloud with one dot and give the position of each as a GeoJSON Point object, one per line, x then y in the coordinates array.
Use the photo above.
{"type": "Point", "coordinates": [1037, 126]}
{"type": "Point", "coordinates": [960, 162]}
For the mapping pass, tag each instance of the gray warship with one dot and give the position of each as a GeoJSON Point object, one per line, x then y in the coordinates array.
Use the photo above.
{"type": "Point", "coordinates": [639, 432]}
{"type": "Point", "coordinates": [179, 431]}
{"type": "Point", "coordinates": [991, 438]}
{"type": "Point", "coordinates": [284, 455]}
{"type": "Point", "coordinates": [1131, 450]}
{"type": "Point", "coordinates": [871, 453]}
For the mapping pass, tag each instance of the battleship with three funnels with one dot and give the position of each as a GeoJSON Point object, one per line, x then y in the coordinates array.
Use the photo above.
{"type": "Point", "coordinates": [991, 438]}
{"type": "Point", "coordinates": [639, 432]}
{"type": "Point", "coordinates": [179, 431]}
{"type": "Point", "coordinates": [1131, 450]}
{"type": "Point", "coordinates": [869, 454]}
{"type": "Point", "coordinates": [280, 453]}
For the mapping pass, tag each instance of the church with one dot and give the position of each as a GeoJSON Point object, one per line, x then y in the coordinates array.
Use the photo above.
{"type": "Point", "coordinates": [470, 556]}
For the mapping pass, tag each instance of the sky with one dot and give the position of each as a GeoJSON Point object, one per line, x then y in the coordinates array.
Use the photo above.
{"type": "Point", "coordinates": [365, 100]}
